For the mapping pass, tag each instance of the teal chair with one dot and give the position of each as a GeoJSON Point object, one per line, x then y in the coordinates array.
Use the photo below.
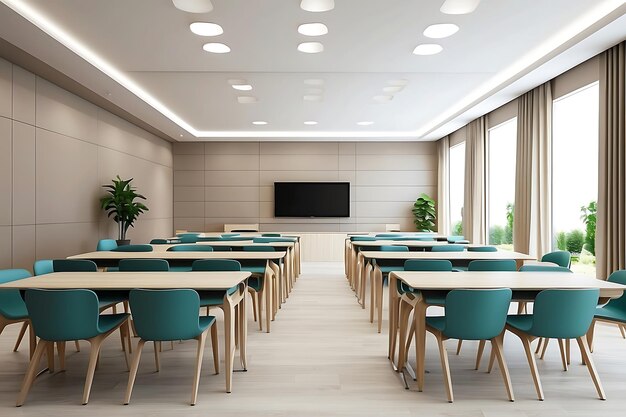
{"type": "Point", "coordinates": [133, 248]}
{"type": "Point", "coordinates": [230, 234]}
{"type": "Point", "coordinates": [159, 242]}
{"type": "Point", "coordinates": [271, 235]}
{"type": "Point", "coordinates": [12, 307]}
{"type": "Point", "coordinates": [43, 266]}
{"type": "Point", "coordinates": [543, 268]}
{"type": "Point", "coordinates": [188, 234]}
{"type": "Point", "coordinates": [220, 248]}
{"type": "Point", "coordinates": [59, 316]}
{"type": "Point", "coordinates": [273, 239]}
{"type": "Point", "coordinates": [106, 245]}
{"type": "Point", "coordinates": [168, 315]}
{"type": "Point", "coordinates": [381, 270]}
{"type": "Point", "coordinates": [257, 285]}
{"type": "Point", "coordinates": [388, 235]}
{"type": "Point", "coordinates": [448, 248]}
{"type": "Point", "coordinates": [189, 239]}
{"type": "Point", "coordinates": [482, 249]}
{"type": "Point", "coordinates": [209, 239]}
{"type": "Point", "coordinates": [615, 310]}
{"type": "Point", "coordinates": [473, 315]}
{"type": "Point", "coordinates": [190, 248]}
{"type": "Point", "coordinates": [560, 257]}
{"type": "Point", "coordinates": [562, 315]}
{"type": "Point", "coordinates": [144, 265]}
{"type": "Point", "coordinates": [363, 238]}
{"type": "Point", "coordinates": [455, 238]}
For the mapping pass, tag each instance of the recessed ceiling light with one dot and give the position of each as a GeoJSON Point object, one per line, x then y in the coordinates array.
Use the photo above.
{"type": "Point", "coordinates": [216, 48]}
{"type": "Point", "coordinates": [242, 87]}
{"type": "Point", "coordinates": [313, 29]}
{"type": "Point", "coordinates": [311, 47]}
{"type": "Point", "coordinates": [181, 135]}
{"type": "Point", "coordinates": [441, 30]}
{"type": "Point", "coordinates": [259, 123]}
{"type": "Point", "coordinates": [206, 29]}
{"type": "Point", "coordinates": [364, 123]}
{"type": "Point", "coordinates": [193, 6]}
{"type": "Point", "coordinates": [247, 99]}
{"type": "Point", "coordinates": [427, 49]}
{"type": "Point", "coordinates": [400, 82]}
{"type": "Point", "coordinates": [459, 6]}
{"type": "Point", "coordinates": [314, 81]}
{"type": "Point", "coordinates": [310, 123]}
{"type": "Point", "coordinates": [383, 98]}
{"type": "Point", "coordinates": [237, 81]}
{"type": "Point", "coordinates": [317, 5]}
{"type": "Point", "coordinates": [310, 97]}
{"type": "Point", "coordinates": [314, 91]}
{"type": "Point", "coordinates": [393, 89]}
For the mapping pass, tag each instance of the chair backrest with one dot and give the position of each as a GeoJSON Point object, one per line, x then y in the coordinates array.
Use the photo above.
{"type": "Point", "coordinates": [362, 238]}
{"type": "Point", "coordinates": [74, 265]}
{"type": "Point", "coordinates": [190, 248]}
{"type": "Point", "coordinates": [543, 268]}
{"type": "Point", "coordinates": [416, 238]}
{"type": "Point", "coordinates": [394, 248]}
{"type": "Point", "coordinates": [210, 239]}
{"type": "Point", "coordinates": [159, 242]}
{"type": "Point", "coordinates": [618, 277]}
{"type": "Point", "coordinates": [106, 244]}
{"type": "Point", "coordinates": [229, 234]}
{"type": "Point", "coordinates": [272, 239]}
{"type": "Point", "coordinates": [188, 234]}
{"type": "Point", "coordinates": [11, 302]}
{"type": "Point", "coordinates": [260, 248]}
{"type": "Point", "coordinates": [482, 249]}
{"type": "Point", "coordinates": [476, 314]}
{"type": "Point", "coordinates": [133, 248]}
{"type": "Point", "coordinates": [208, 265]}
{"type": "Point", "coordinates": [455, 238]}
{"type": "Point", "coordinates": [387, 235]}
{"type": "Point", "coordinates": [144, 265]}
{"type": "Point", "coordinates": [43, 266]}
{"type": "Point", "coordinates": [61, 315]}
{"type": "Point", "coordinates": [165, 314]}
{"type": "Point", "coordinates": [220, 248]}
{"type": "Point", "coordinates": [563, 314]}
{"type": "Point", "coordinates": [271, 235]}
{"type": "Point", "coordinates": [492, 265]}
{"type": "Point", "coordinates": [560, 257]}
{"type": "Point", "coordinates": [441, 265]}
{"type": "Point", "coordinates": [448, 248]}
{"type": "Point", "coordinates": [189, 239]}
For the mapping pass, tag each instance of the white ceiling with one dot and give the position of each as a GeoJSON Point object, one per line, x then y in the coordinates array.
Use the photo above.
{"type": "Point", "coordinates": [501, 49]}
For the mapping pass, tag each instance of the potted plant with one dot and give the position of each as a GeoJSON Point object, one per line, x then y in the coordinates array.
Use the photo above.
{"type": "Point", "coordinates": [425, 214]}
{"type": "Point", "coordinates": [121, 205]}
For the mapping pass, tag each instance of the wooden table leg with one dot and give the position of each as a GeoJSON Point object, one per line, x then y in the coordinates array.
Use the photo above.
{"type": "Point", "coordinates": [229, 342]}
{"type": "Point", "coordinates": [420, 340]}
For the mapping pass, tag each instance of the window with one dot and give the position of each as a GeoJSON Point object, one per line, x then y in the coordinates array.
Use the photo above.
{"type": "Point", "coordinates": [457, 186]}
{"type": "Point", "coordinates": [502, 143]}
{"type": "Point", "coordinates": [575, 174]}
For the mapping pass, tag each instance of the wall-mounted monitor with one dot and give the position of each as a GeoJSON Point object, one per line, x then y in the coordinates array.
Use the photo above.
{"type": "Point", "coordinates": [312, 199]}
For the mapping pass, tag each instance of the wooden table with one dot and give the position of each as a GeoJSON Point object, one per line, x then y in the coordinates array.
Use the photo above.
{"type": "Point", "coordinates": [445, 281]}
{"type": "Point", "coordinates": [210, 281]}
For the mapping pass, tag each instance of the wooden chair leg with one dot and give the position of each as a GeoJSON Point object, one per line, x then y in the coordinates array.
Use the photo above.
{"type": "Point", "coordinates": [157, 359]}
{"type": "Point", "coordinates": [497, 347]}
{"type": "Point", "coordinates": [492, 361]}
{"type": "Point", "coordinates": [479, 355]}
{"type": "Point", "coordinates": [621, 329]}
{"type": "Point", "coordinates": [445, 367]}
{"type": "Point", "coordinates": [31, 373]}
{"type": "Point", "coordinates": [521, 307]}
{"type": "Point", "coordinates": [196, 379]}
{"type": "Point", "coordinates": [533, 366]}
{"type": "Point", "coordinates": [32, 340]}
{"type": "Point", "coordinates": [125, 330]}
{"type": "Point", "coordinates": [539, 343]}
{"type": "Point", "coordinates": [50, 353]}
{"type": "Point", "coordinates": [458, 347]}
{"type": "Point", "coordinates": [567, 351]}
{"type": "Point", "coordinates": [545, 347]}
{"type": "Point", "coordinates": [372, 294]}
{"type": "Point", "coordinates": [20, 336]}
{"type": "Point", "coordinates": [253, 296]}
{"type": "Point", "coordinates": [586, 354]}
{"type": "Point", "coordinates": [61, 352]}
{"type": "Point", "coordinates": [133, 370]}
{"type": "Point", "coordinates": [379, 301]}
{"type": "Point", "coordinates": [77, 345]}
{"type": "Point", "coordinates": [590, 334]}
{"type": "Point", "coordinates": [96, 344]}
{"type": "Point", "coordinates": [563, 354]}
{"type": "Point", "coordinates": [216, 349]}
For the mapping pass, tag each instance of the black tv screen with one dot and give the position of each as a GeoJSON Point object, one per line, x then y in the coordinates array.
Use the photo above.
{"type": "Point", "coordinates": [312, 199]}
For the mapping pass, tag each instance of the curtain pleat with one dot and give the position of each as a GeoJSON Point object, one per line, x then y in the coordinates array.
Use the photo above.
{"type": "Point", "coordinates": [474, 201]}
{"type": "Point", "coordinates": [443, 185]}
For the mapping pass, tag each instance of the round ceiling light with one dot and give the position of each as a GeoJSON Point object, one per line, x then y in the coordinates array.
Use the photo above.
{"type": "Point", "coordinates": [459, 6]}
{"type": "Point", "coordinates": [216, 48]}
{"type": "Point", "coordinates": [365, 123]}
{"type": "Point", "coordinates": [311, 47]}
{"type": "Point", "coordinates": [427, 49]}
{"type": "Point", "coordinates": [193, 6]}
{"type": "Point", "coordinates": [317, 5]}
{"type": "Point", "coordinates": [442, 30]}
{"type": "Point", "coordinates": [247, 99]}
{"type": "Point", "coordinates": [259, 123]}
{"type": "Point", "coordinates": [206, 29]}
{"type": "Point", "coordinates": [393, 89]}
{"type": "Point", "coordinates": [242, 87]}
{"type": "Point", "coordinates": [310, 123]}
{"type": "Point", "coordinates": [312, 29]}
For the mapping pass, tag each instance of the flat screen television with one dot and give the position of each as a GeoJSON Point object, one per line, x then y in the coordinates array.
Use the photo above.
{"type": "Point", "coordinates": [312, 199]}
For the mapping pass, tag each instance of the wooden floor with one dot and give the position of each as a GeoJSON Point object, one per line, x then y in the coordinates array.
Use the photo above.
{"type": "Point", "coordinates": [323, 358]}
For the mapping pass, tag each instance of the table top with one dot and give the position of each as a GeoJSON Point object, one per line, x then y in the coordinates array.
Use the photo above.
{"type": "Point", "coordinates": [517, 281]}
{"type": "Point", "coordinates": [409, 243]}
{"type": "Point", "coordinates": [243, 255]}
{"type": "Point", "coordinates": [238, 243]}
{"type": "Point", "coordinates": [453, 256]}
{"type": "Point", "coordinates": [129, 280]}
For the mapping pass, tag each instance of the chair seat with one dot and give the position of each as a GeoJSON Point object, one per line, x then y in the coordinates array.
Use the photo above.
{"type": "Point", "coordinates": [17, 311]}
{"type": "Point", "coordinates": [180, 268]}
{"type": "Point", "coordinates": [214, 298]}
{"type": "Point", "coordinates": [437, 298]}
{"type": "Point", "coordinates": [438, 322]}
{"type": "Point", "coordinates": [107, 322]}
{"type": "Point", "coordinates": [521, 322]}
{"type": "Point", "coordinates": [612, 314]}
{"type": "Point", "coordinates": [254, 269]}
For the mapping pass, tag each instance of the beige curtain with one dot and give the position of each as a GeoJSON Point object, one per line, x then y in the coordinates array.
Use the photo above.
{"type": "Point", "coordinates": [611, 217]}
{"type": "Point", "coordinates": [443, 186]}
{"type": "Point", "coordinates": [532, 232]}
{"type": "Point", "coordinates": [474, 201]}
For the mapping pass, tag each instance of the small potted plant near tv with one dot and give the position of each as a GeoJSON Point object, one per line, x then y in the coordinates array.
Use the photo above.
{"type": "Point", "coordinates": [121, 205]}
{"type": "Point", "coordinates": [425, 214]}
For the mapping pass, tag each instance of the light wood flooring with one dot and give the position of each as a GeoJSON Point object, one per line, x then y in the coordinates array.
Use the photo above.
{"type": "Point", "coordinates": [323, 358]}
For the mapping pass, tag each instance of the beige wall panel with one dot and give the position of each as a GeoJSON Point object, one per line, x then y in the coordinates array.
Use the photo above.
{"type": "Point", "coordinates": [266, 193]}
{"type": "Point", "coordinates": [323, 247]}
{"type": "Point", "coordinates": [502, 114]}
{"type": "Point", "coordinates": [221, 221]}
{"type": "Point", "coordinates": [214, 227]}
{"type": "Point", "coordinates": [299, 162]}
{"type": "Point", "coordinates": [299, 227]}
{"type": "Point", "coordinates": [391, 193]}
{"type": "Point", "coordinates": [5, 247]}
{"type": "Point", "coordinates": [6, 88]}
{"type": "Point", "coordinates": [457, 136]}
{"type": "Point", "coordinates": [396, 178]}
{"type": "Point", "coordinates": [232, 209]}
{"type": "Point", "coordinates": [299, 148]}
{"type": "Point", "coordinates": [231, 148]}
{"type": "Point", "coordinates": [269, 177]}
{"type": "Point", "coordinates": [348, 176]}
{"type": "Point", "coordinates": [347, 162]}
{"type": "Point", "coordinates": [24, 247]}
{"type": "Point", "coordinates": [347, 148]}
{"type": "Point", "coordinates": [23, 95]}
{"type": "Point", "coordinates": [184, 148]}
{"type": "Point", "coordinates": [62, 112]}
{"type": "Point", "coordinates": [189, 162]}
{"type": "Point", "coordinates": [231, 162]}
{"type": "Point", "coordinates": [192, 225]}
{"type": "Point", "coordinates": [5, 171]}
{"type": "Point", "coordinates": [231, 178]}
{"type": "Point", "coordinates": [383, 209]}
{"type": "Point", "coordinates": [67, 179]}
{"type": "Point", "coordinates": [579, 76]}
{"type": "Point", "coordinates": [188, 194]}
{"type": "Point", "coordinates": [189, 178]}
{"type": "Point", "coordinates": [56, 241]}
{"type": "Point", "coordinates": [23, 174]}
{"type": "Point", "coordinates": [231, 194]}
{"type": "Point", "coordinates": [147, 229]}
{"type": "Point", "coordinates": [395, 148]}
{"type": "Point", "coordinates": [189, 209]}
{"type": "Point", "coordinates": [396, 162]}
{"type": "Point", "coordinates": [405, 225]}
